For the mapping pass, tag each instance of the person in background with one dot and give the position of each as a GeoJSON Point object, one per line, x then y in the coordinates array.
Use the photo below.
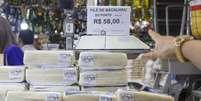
{"type": "Point", "coordinates": [13, 54]}
{"type": "Point", "coordinates": [26, 40]}
{"type": "Point", "coordinates": [29, 41]}
{"type": "Point", "coordinates": [38, 42]}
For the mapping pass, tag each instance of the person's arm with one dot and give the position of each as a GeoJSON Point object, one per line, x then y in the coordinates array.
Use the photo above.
{"type": "Point", "coordinates": [165, 48]}
{"type": "Point", "coordinates": [192, 51]}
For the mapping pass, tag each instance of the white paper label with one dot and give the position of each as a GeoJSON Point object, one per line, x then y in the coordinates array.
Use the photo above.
{"type": "Point", "coordinates": [69, 28]}
{"type": "Point", "coordinates": [15, 74]}
{"type": "Point", "coordinates": [52, 97]}
{"type": "Point", "coordinates": [108, 20]}
{"type": "Point", "coordinates": [64, 58]}
{"type": "Point", "coordinates": [72, 90]}
{"type": "Point", "coordinates": [88, 60]}
{"type": "Point", "coordinates": [127, 97]}
{"type": "Point", "coordinates": [105, 98]}
{"type": "Point", "coordinates": [89, 79]}
{"type": "Point", "coordinates": [70, 76]}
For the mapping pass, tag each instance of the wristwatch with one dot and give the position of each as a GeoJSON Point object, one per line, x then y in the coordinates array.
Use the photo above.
{"type": "Point", "coordinates": [179, 41]}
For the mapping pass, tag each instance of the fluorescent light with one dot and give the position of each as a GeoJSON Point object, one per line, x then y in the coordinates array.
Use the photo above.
{"type": "Point", "coordinates": [24, 25]}
{"type": "Point", "coordinates": [3, 15]}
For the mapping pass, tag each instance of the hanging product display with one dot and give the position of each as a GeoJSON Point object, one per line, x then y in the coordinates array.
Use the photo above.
{"type": "Point", "coordinates": [141, 10]}
{"type": "Point", "coordinates": [137, 9]}
{"type": "Point", "coordinates": [195, 18]}
{"type": "Point", "coordinates": [14, 2]}
{"type": "Point", "coordinates": [147, 7]}
{"type": "Point", "coordinates": [36, 13]}
{"type": "Point", "coordinates": [113, 2]}
{"type": "Point", "coordinates": [142, 16]}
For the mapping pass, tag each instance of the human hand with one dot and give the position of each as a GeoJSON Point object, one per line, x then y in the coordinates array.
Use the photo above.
{"type": "Point", "coordinates": [164, 47]}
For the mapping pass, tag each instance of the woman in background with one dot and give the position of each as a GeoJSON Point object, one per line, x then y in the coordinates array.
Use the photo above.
{"type": "Point", "coordinates": [13, 54]}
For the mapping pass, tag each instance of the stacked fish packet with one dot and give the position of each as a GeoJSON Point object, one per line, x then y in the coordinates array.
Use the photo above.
{"type": "Point", "coordinates": [156, 73]}
{"type": "Point", "coordinates": [50, 74]}
{"type": "Point", "coordinates": [12, 78]}
{"type": "Point", "coordinates": [96, 75]}
{"type": "Point", "coordinates": [33, 96]}
{"type": "Point", "coordinates": [140, 74]}
{"type": "Point", "coordinates": [135, 69]}
{"type": "Point", "coordinates": [90, 96]}
{"type": "Point", "coordinates": [102, 71]}
{"type": "Point", "coordinates": [136, 72]}
{"type": "Point", "coordinates": [134, 95]}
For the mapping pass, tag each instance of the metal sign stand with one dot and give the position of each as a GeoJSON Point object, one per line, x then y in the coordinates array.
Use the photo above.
{"type": "Point", "coordinates": [69, 31]}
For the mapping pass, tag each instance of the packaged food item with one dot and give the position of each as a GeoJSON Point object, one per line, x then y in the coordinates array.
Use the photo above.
{"type": "Point", "coordinates": [103, 78]}
{"type": "Point", "coordinates": [33, 96]}
{"type": "Point", "coordinates": [52, 77]}
{"type": "Point", "coordinates": [12, 74]}
{"type": "Point", "coordinates": [51, 58]}
{"type": "Point", "coordinates": [123, 95]}
{"type": "Point", "coordinates": [102, 59]}
{"type": "Point", "coordinates": [90, 96]}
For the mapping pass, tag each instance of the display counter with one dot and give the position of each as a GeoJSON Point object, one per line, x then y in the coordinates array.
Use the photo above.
{"type": "Point", "coordinates": [126, 44]}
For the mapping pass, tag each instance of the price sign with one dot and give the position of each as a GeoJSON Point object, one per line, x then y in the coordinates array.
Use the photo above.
{"type": "Point", "coordinates": [16, 74]}
{"type": "Point", "coordinates": [108, 20]}
{"type": "Point", "coordinates": [53, 97]}
{"type": "Point", "coordinates": [69, 28]}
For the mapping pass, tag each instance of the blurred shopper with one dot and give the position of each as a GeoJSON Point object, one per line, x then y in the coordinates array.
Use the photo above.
{"type": "Point", "coordinates": [13, 54]}
{"type": "Point", "coordinates": [29, 41]}
{"type": "Point", "coordinates": [26, 40]}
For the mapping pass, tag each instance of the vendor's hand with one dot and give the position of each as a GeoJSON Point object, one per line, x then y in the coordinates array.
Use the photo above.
{"type": "Point", "coordinates": [164, 47]}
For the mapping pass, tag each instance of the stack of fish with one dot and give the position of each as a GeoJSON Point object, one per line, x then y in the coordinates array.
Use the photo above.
{"type": "Point", "coordinates": [11, 79]}
{"type": "Point", "coordinates": [135, 70]}
{"type": "Point", "coordinates": [51, 71]}
{"type": "Point", "coordinates": [102, 71]}
{"type": "Point", "coordinates": [125, 95]}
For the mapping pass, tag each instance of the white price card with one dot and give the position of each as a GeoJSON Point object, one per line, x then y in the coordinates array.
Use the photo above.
{"type": "Point", "coordinates": [16, 74]}
{"type": "Point", "coordinates": [70, 75]}
{"type": "Point", "coordinates": [64, 59]}
{"type": "Point", "coordinates": [108, 20]}
{"type": "Point", "coordinates": [53, 97]}
{"type": "Point", "coordinates": [127, 97]}
{"type": "Point", "coordinates": [88, 60]}
{"type": "Point", "coordinates": [90, 79]}
{"type": "Point", "coordinates": [105, 98]}
{"type": "Point", "coordinates": [69, 28]}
